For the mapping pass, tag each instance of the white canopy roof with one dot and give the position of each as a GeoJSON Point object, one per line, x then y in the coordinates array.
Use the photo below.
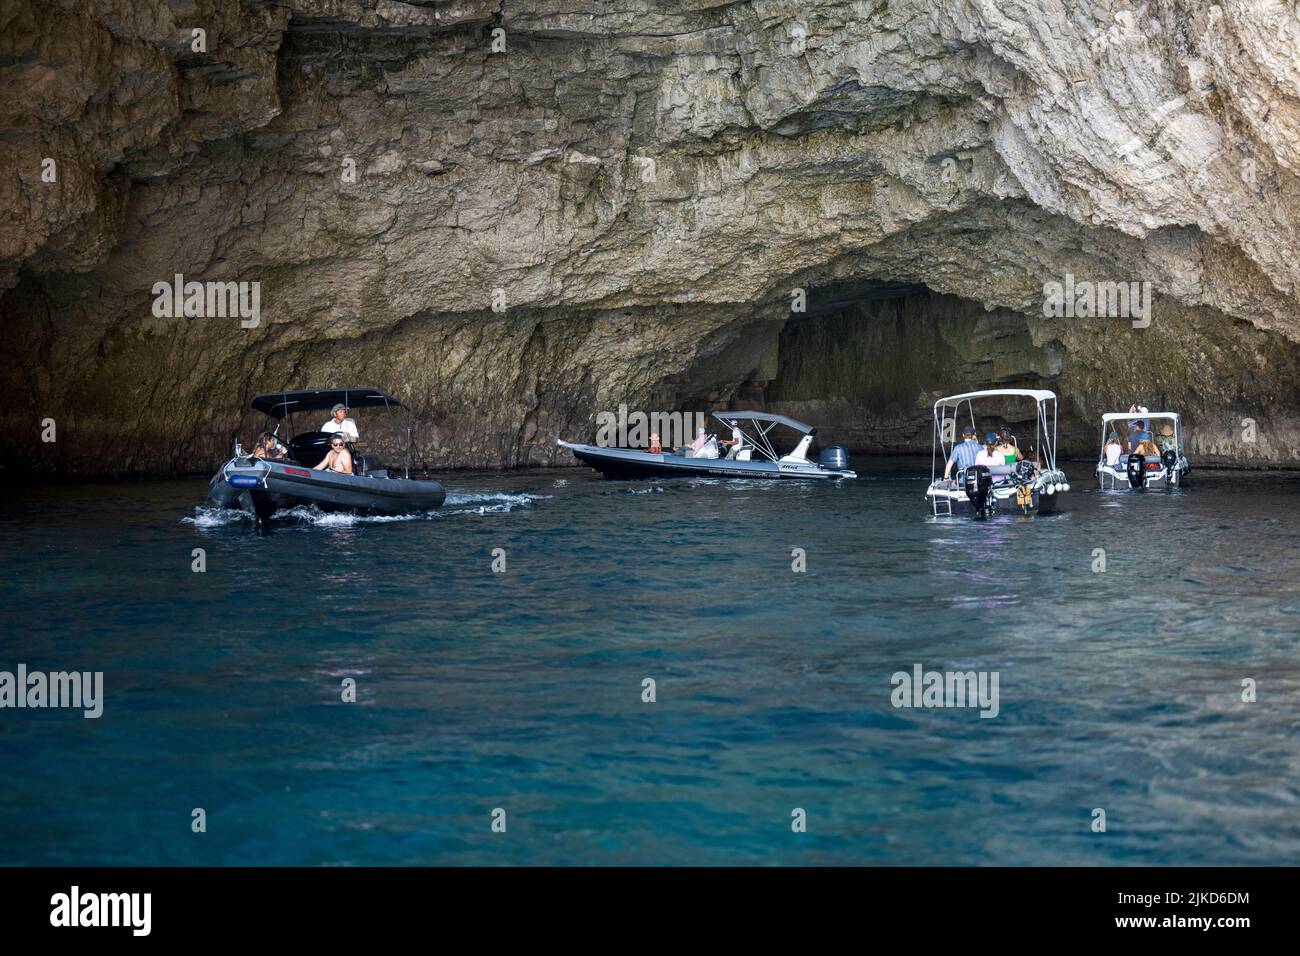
{"type": "Point", "coordinates": [1037, 394]}
{"type": "Point", "coordinates": [1137, 416]}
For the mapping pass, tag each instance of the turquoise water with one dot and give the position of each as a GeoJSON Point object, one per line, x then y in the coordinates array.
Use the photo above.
{"type": "Point", "coordinates": [522, 690]}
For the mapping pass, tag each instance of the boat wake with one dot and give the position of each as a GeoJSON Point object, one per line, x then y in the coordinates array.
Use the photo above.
{"type": "Point", "coordinates": [486, 502]}
{"type": "Point", "coordinates": [206, 516]}
{"type": "Point", "coordinates": [458, 502]}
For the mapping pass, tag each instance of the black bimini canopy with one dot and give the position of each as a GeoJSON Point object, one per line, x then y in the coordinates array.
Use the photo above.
{"type": "Point", "coordinates": [280, 404]}
{"type": "Point", "coordinates": [763, 417]}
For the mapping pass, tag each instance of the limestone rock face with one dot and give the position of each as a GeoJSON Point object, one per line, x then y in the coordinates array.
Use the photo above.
{"type": "Point", "coordinates": [516, 215]}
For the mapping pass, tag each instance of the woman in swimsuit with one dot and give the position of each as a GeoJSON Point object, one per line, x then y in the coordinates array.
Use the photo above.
{"type": "Point", "coordinates": [1006, 447]}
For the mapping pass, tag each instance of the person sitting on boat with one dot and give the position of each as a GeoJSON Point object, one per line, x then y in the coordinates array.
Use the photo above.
{"type": "Point", "coordinates": [1167, 441]}
{"type": "Point", "coordinates": [990, 457]}
{"type": "Point", "coordinates": [1146, 446]}
{"type": "Point", "coordinates": [268, 446]}
{"type": "Point", "coordinates": [964, 453]}
{"type": "Point", "coordinates": [655, 447]}
{"type": "Point", "coordinates": [1113, 450]}
{"type": "Point", "coordinates": [338, 459]}
{"type": "Point", "coordinates": [701, 439]}
{"type": "Point", "coordinates": [1006, 447]}
{"type": "Point", "coordinates": [1136, 430]}
{"type": "Point", "coordinates": [736, 442]}
{"type": "Point", "coordinates": [339, 422]}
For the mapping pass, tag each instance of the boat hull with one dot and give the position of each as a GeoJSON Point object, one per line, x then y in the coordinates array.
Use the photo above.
{"type": "Point", "coordinates": [1112, 478]}
{"type": "Point", "coordinates": [624, 463]}
{"type": "Point", "coordinates": [1044, 499]}
{"type": "Point", "coordinates": [263, 488]}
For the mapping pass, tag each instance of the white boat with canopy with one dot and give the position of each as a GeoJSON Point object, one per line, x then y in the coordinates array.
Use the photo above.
{"type": "Point", "coordinates": [756, 455]}
{"type": "Point", "coordinates": [1123, 463]}
{"type": "Point", "coordinates": [1027, 484]}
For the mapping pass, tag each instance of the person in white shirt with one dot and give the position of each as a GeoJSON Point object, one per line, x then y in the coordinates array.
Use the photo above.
{"type": "Point", "coordinates": [989, 456]}
{"type": "Point", "coordinates": [1113, 450]}
{"type": "Point", "coordinates": [736, 442]}
{"type": "Point", "coordinates": [339, 422]}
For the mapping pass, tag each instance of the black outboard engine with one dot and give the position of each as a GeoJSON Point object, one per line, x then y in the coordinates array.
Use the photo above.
{"type": "Point", "coordinates": [834, 458]}
{"type": "Point", "coordinates": [1169, 459]}
{"type": "Point", "coordinates": [978, 485]}
{"type": "Point", "coordinates": [1136, 468]}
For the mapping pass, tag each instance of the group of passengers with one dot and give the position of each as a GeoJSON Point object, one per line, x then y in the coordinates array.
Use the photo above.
{"type": "Point", "coordinates": [1140, 440]}
{"type": "Point", "coordinates": [338, 459]}
{"type": "Point", "coordinates": [700, 447]}
{"type": "Point", "coordinates": [999, 449]}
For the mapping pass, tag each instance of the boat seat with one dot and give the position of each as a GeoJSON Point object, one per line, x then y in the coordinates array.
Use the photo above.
{"type": "Point", "coordinates": [309, 448]}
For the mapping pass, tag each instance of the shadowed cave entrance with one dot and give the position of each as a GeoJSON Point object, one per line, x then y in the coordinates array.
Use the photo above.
{"type": "Point", "coordinates": [865, 364]}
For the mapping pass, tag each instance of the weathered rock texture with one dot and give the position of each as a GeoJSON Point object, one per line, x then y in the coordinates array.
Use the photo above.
{"type": "Point", "coordinates": [643, 185]}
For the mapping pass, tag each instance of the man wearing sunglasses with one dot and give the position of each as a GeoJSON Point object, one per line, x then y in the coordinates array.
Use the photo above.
{"type": "Point", "coordinates": [338, 459]}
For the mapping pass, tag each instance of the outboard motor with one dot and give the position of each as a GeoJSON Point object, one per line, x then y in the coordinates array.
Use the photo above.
{"type": "Point", "coordinates": [1137, 471]}
{"type": "Point", "coordinates": [834, 458]}
{"type": "Point", "coordinates": [1170, 461]}
{"type": "Point", "coordinates": [978, 485]}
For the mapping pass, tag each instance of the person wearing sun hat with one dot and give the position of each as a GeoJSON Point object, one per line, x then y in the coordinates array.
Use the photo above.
{"type": "Point", "coordinates": [339, 422]}
{"type": "Point", "coordinates": [1167, 441]}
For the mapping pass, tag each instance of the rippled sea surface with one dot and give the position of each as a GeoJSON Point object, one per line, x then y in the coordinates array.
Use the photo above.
{"type": "Point", "coordinates": [1120, 690]}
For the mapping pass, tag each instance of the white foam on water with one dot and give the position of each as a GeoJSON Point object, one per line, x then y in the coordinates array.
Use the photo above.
{"type": "Point", "coordinates": [310, 514]}
{"type": "Point", "coordinates": [457, 502]}
{"type": "Point", "coordinates": [206, 516]}
{"type": "Point", "coordinates": [488, 502]}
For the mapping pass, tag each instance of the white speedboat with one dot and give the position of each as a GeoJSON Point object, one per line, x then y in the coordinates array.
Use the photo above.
{"type": "Point", "coordinates": [755, 457]}
{"type": "Point", "coordinates": [1127, 468]}
{"type": "Point", "coordinates": [1031, 485]}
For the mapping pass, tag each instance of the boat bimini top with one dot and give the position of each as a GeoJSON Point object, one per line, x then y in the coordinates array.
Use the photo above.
{"type": "Point", "coordinates": [281, 404]}
{"type": "Point", "coordinates": [1037, 394]}
{"type": "Point", "coordinates": [945, 434]}
{"type": "Point", "coordinates": [759, 425]}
